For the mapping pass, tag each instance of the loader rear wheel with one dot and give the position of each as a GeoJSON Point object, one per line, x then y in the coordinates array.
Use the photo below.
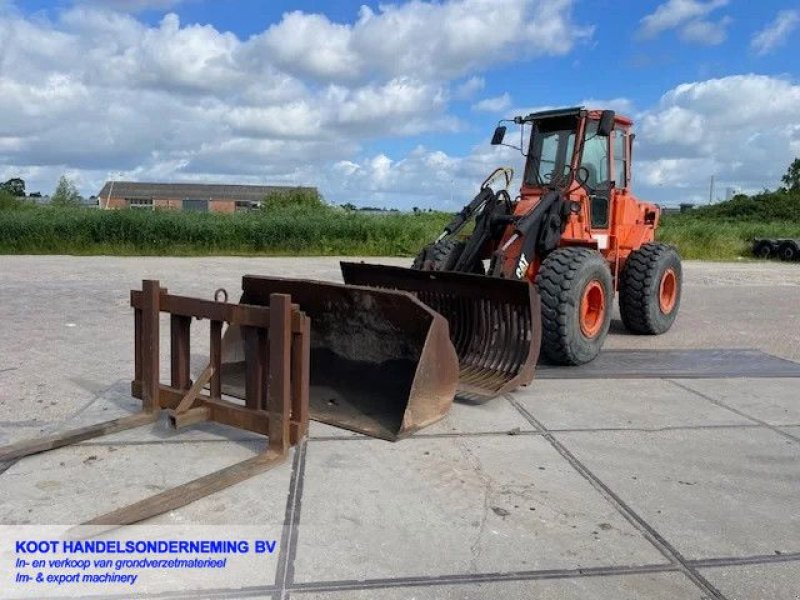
{"type": "Point", "coordinates": [650, 289]}
{"type": "Point", "coordinates": [442, 257]}
{"type": "Point", "coordinates": [576, 292]}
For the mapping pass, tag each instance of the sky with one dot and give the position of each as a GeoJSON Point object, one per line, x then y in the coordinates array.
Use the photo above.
{"type": "Point", "coordinates": [390, 104]}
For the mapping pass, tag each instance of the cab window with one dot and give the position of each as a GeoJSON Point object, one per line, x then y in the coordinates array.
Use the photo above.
{"type": "Point", "coordinates": [595, 157]}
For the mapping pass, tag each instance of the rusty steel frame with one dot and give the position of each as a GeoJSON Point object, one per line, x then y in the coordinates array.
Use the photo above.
{"type": "Point", "coordinates": [276, 398]}
{"type": "Point", "coordinates": [383, 362]}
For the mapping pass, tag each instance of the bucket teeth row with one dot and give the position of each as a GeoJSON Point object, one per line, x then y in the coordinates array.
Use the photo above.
{"type": "Point", "coordinates": [494, 323]}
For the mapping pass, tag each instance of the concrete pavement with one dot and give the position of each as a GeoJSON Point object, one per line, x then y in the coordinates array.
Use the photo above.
{"type": "Point", "coordinates": [569, 488]}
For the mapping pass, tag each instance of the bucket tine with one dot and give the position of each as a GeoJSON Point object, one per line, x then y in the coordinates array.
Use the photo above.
{"type": "Point", "coordinates": [495, 324]}
{"type": "Point", "coordinates": [382, 362]}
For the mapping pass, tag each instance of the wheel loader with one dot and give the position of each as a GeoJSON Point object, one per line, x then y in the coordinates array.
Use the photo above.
{"type": "Point", "coordinates": [576, 230]}
{"type": "Point", "coordinates": [539, 271]}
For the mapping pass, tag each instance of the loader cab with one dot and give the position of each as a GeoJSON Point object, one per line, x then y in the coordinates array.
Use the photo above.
{"type": "Point", "coordinates": [578, 149]}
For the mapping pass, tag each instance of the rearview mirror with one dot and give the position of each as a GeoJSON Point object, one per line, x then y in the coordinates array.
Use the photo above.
{"type": "Point", "coordinates": [498, 136]}
{"type": "Point", "coordinates": [606, 125]}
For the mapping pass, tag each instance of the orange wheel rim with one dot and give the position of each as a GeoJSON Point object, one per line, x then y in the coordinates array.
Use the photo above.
{"type": "Point", "coordinates": [668, 291]}
{"type": "Point", "coordinates": [593, 309]}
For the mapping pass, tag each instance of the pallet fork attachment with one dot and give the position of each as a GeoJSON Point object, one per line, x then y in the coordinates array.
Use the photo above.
{"type": "Point", "coordinates": [275, 399]}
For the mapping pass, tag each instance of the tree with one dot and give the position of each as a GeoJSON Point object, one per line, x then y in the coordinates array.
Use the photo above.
{"type": "Point", "coordinates": [66, 193]}
{"type": "Point", "coordinates": [15, 187]}
{"type": "Point", "coordinates": [792, 178]}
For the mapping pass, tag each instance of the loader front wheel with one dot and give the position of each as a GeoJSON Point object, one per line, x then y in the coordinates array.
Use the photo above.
{"type": "Point", "coordinates": [650, 289]}
{"type": "Point", "coordinates": [576, 292]}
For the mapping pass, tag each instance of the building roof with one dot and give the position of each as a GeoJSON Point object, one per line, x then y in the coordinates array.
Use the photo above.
{"type": "Point", "coordinates": [199, 191]}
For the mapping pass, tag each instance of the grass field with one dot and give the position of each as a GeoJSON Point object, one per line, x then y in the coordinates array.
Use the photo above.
{"type": "Point", "coordinates": [712, 239]}
{"type": "Point", "coordinates": [309, 231]}
{"type": "Point", "coordinates": [323, 231]}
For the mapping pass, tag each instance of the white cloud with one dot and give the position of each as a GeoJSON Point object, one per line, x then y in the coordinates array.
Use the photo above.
{"type": "Point", "coordinates": [421, 39]}
{"type": "Point", "coordinates": [742, 129]}
{"type": "Point", "coordinates": [495, 104]}
{"type": "Point", "coordinates": [709, 33]}
{"type": "Point", "coordinates": [102, 91]}
{"type": "Point", "coordinates": [775, 34]}
{"type": "Point", "coordinates": [689, 16]}
{"type": "Point", "coordinates": [467, 89]}
{"type": "Point", "coordinates": [424, 177]}
{"type": "Point", "coordinates": [311, 45]}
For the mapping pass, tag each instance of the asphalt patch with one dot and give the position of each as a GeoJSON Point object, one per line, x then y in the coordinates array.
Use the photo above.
{"type": "Point", "coordinates": [679, 364]}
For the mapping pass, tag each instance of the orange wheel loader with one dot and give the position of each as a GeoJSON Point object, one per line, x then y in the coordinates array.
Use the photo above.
{"type": "Point", "coordinates": [538, 271]}
{"type": "Point", "coordinates": [576, 230]}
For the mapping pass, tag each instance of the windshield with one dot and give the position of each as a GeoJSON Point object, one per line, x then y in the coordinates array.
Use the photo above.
{"type": "Point", "coordinates": [551, 148]}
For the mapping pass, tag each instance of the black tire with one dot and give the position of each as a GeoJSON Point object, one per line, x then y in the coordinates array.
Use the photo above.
{"type": "Point", "coordinates": [640, 290]}
{"type": "Point", "coordinates": [789, 251]}
{"type": "Point", "coordinates": [763, 249]}
{"type": "Point", "coordinates": [563, 279]}
{"type": "Point", "coordinates": [442, 257]}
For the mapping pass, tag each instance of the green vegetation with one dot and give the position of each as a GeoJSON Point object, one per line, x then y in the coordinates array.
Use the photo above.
{"type": "Point", "coordinates": [326, 230]}
{"type": "Point", "coordinates": [295, 199]}
{"type": "Point", "coordinates": [9, 201]}
{"type": "Point", "coordinates": [300, 223]}
{"type": "Point", "coordinates": [66, 194]}
{"type": "Point", "coordinates": [712, 239]}
{"type": "Point", "coordinates": [725, 230]}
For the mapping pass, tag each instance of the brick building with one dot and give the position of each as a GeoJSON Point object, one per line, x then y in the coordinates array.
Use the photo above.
{"type": "Point", "coordinates": [187, 196]}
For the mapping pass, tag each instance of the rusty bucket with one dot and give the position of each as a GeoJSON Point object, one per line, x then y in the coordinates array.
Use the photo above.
{"type": "Point", "coordinates": [495, 324]}
{"type": "Point", "coordinates": [382, 363]}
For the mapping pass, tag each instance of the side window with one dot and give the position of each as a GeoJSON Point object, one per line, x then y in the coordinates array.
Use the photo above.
{"type": "Point", "coordinates": [620, 174]}
{"type": "Point", "coordinates": [595, 157]}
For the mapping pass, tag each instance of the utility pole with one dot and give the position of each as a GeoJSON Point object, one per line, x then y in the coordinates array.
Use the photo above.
{"type": "Point", "coordinates": [711, 191]}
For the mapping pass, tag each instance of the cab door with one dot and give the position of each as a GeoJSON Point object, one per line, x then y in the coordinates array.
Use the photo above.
{"type": "Point", "coordinates": [599, 184]}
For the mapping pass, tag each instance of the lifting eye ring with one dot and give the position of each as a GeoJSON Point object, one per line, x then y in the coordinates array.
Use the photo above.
{"type": "Point", "coordinates": [221, 293]}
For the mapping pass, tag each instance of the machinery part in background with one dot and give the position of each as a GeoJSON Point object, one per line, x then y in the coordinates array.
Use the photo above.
{"type": "Point", "coordinates": [783, 248]}
{"type": "Point", "coordinates": [765, 249]}
{"type": "Point", "coordinates": [789, 250]}
{"type": "Point", "coordinates": [382, 363]}
{"type": "Point", "coordinates": [494, 323]}
{"type": "Point", "coordinates": [576, 292]}
{"type": "Point", "coordinates": [650, 289]}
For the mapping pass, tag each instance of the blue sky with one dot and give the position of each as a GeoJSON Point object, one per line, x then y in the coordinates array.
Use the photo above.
{"type": "Point", "coordinates": [390, 104]}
